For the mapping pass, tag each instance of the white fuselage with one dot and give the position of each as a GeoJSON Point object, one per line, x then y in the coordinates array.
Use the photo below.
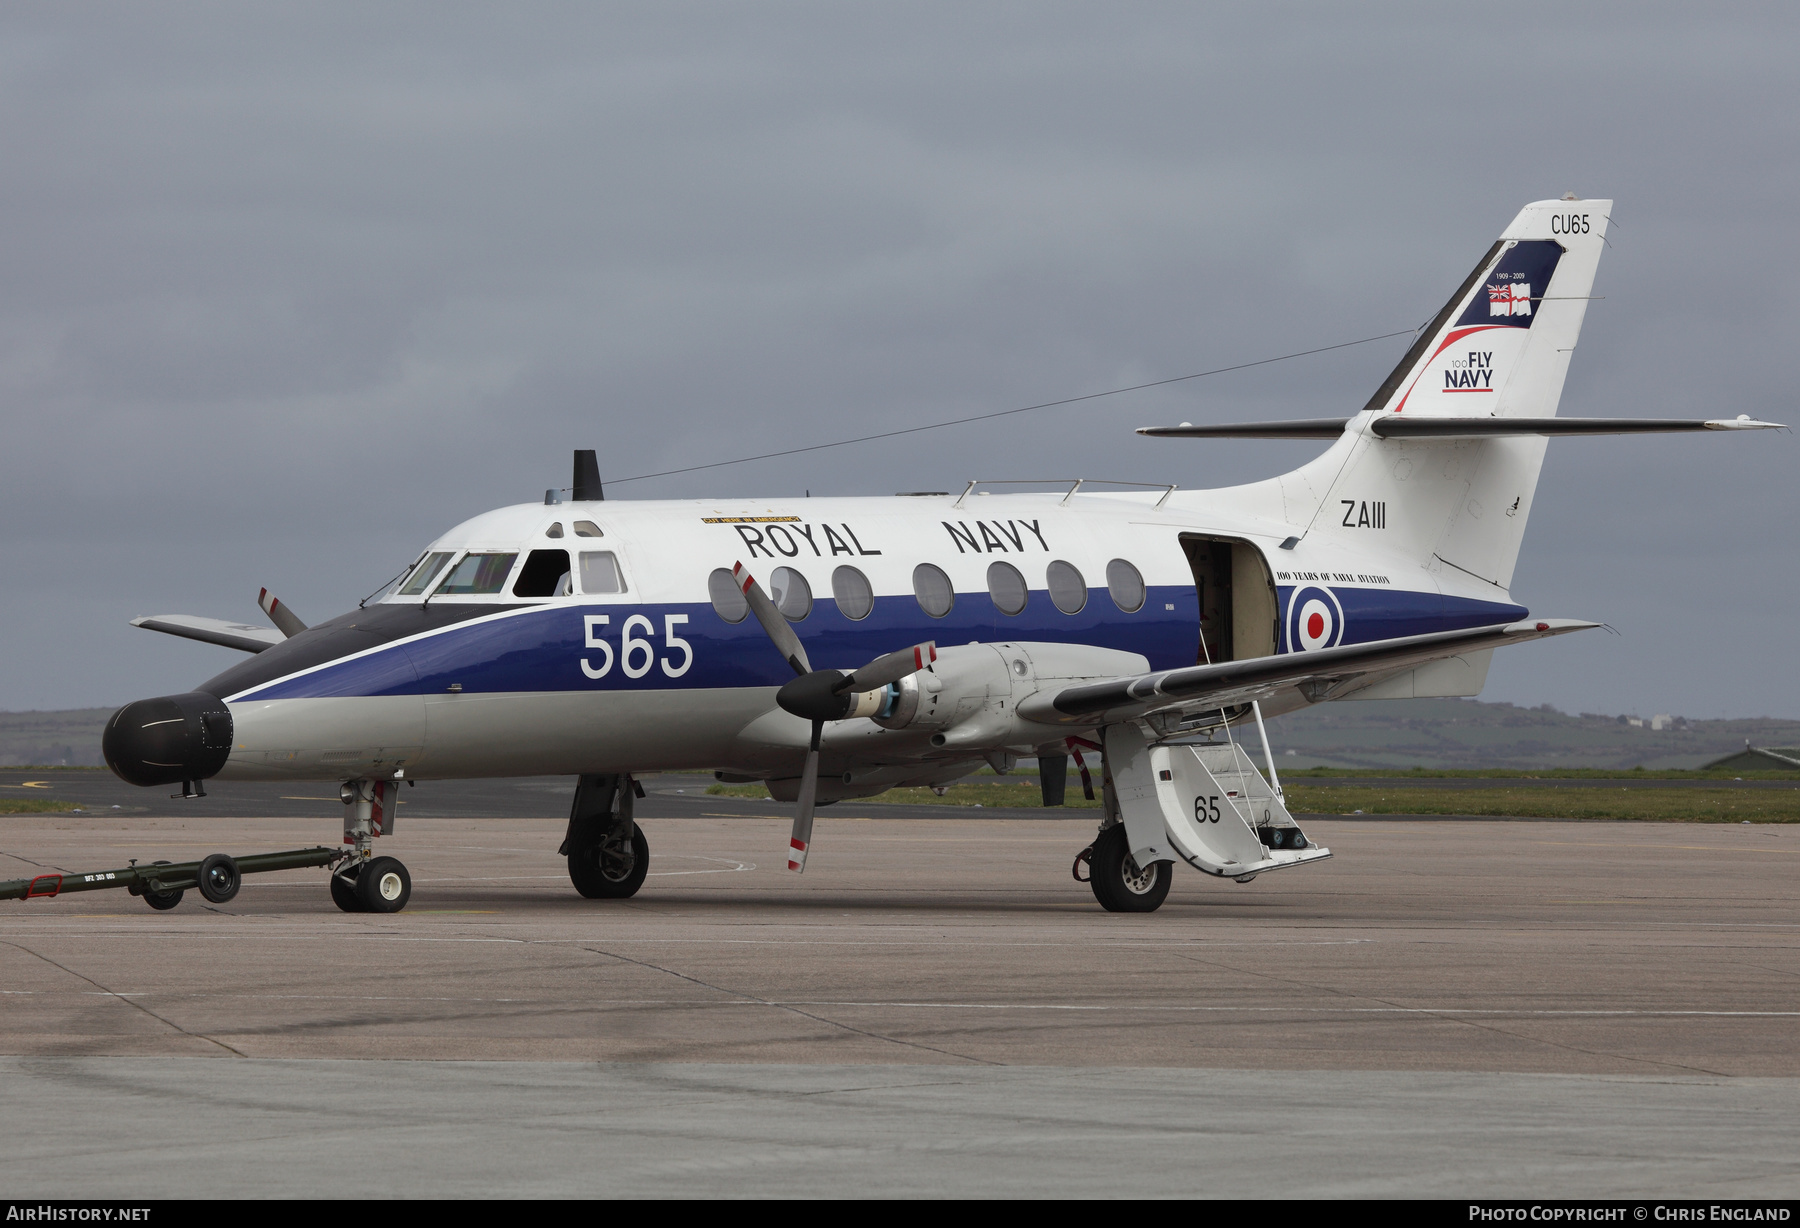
{"type": "Point", "coordinates": [630, 664]}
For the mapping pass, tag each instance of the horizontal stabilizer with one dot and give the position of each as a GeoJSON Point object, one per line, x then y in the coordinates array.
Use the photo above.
{"type": "Point", "coordinates": [1411, 426]}
{"type": "Point", "coordinates": [1296, 428]}
{"type": "Point", "coordinates": [1321, 670]}
{"type": "Point", "coordinates": [1420, 426]}
{"type": "Point", "coordinates": [241, 636]}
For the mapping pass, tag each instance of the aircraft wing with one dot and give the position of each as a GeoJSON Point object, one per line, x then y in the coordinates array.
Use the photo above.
{"type": "Point", "coordinates": [1316, 673]}
{"type": "Point", "coordinates": [244, 637]}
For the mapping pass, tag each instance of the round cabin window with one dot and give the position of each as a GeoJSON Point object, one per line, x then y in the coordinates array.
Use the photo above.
{"type": "Point", "coordinates": [855, 598]}
{"type": "Point", "coordinates": [1068, 591]}
{"type": "Point", "coordinates": [932, 587]}
{"type": "Point", "coordinates": [727, 598]}
{"type": "Point", "coordinates": [791, 594]}
{"type": "Point", "coordinates": [1126, 586]}
{"type": "Point", "coordinates": [1007, 587]}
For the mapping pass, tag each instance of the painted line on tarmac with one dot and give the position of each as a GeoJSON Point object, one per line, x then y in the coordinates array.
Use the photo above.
{"type": "Point", "coordinates": [1514, 1012]}
{"type": "Point", "coordinates": [917, 941]}
{"type": "Point", "coordinates": [1070, 1007]}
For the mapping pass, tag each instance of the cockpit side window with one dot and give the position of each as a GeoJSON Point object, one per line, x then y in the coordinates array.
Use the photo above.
{"type": "Point", "coordinates": [545, 574]}
{"type": "Point", "coordinates": [477, 575]}
{"type": "Point", "coordinates": [587, 528]}
{"type": "Point", "coordinates": [426, 571]}
{"type": "Point", "coordinates": [600, 572]}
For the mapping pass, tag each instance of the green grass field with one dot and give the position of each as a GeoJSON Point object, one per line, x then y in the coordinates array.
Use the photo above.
{"type": "Point", "coordinates": [1698, 804]}
{"type": "Point", "coordinates": [1420, 773]}
{"type": "Point", "coordinates": [1695, 805]}
{"type": "Point", "coordinates": [32, 805]}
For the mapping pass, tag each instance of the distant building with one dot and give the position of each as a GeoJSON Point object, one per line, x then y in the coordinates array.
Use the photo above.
{"type": "Point", "coordinates": [1757, 759]}
{"type": "Point", "coordinates": [1661, 720]}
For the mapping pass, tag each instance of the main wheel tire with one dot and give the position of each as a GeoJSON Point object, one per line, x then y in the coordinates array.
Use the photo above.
{"type": "Point", "coordinates": [1118, 883]}
{"type": "Point", "coordinates": [219, 878]}
{"type": "Point", "coordinates": [343, 889]}
{"type": "Point", "coordinates": [163, 901]}
{"type": "Point", "coordinates": [598, 877]}
{"type": "Point", "coordinates": [383, 886]}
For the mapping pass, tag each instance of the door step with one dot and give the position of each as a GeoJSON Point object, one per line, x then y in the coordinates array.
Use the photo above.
{"type": "Point", "coordinates": [1204, 803]}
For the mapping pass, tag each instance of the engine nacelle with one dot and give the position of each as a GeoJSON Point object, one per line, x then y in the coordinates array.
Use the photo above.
{"type": "Point", "coordinates": [970, 698]}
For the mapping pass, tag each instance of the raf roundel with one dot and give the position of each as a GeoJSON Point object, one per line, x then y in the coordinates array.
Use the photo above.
{"type": "Point", "coordinates": [1315, 620]}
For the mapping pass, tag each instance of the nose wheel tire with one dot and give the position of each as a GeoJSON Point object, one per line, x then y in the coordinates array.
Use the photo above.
{"type": "Point", "coordinates": [1119, 883]}
{"type": "Point", "coordinates": [602, 872]}
{"type": "Point", "coordinates": [383, 886]}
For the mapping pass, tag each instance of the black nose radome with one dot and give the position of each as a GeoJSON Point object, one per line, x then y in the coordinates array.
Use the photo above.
{"type": "Point", "coordinates": [167, 740]}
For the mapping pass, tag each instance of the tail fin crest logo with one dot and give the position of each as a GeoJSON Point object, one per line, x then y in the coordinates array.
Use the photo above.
{"type": "Point", "coordinates": [1509, 299]}
{"type": "Point", "coordinates": [1513, 287]}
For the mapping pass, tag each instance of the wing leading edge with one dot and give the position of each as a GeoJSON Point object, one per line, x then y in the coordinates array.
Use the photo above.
{"type": "Point", "coordinates": [242, 636]}
{"type": "Point", "coordinates": [1241, 681]}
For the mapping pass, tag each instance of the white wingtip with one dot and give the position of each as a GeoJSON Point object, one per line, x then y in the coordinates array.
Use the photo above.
{"type": "Point", "coordinates": [1549, 626]}
{"type": "Point", "coordinates": [1743, 422]}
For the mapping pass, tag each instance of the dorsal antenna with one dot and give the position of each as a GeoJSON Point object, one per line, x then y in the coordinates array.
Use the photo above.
{"type": "Point", "coordinates": [587, 477]}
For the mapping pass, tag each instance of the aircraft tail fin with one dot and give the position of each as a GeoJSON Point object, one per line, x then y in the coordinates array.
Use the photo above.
{"type": "Point", "coordinates": [1500, 347]}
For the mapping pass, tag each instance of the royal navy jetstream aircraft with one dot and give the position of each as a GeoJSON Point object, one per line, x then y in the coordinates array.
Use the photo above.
{"type": "Point", "coordinates": [910, 640]}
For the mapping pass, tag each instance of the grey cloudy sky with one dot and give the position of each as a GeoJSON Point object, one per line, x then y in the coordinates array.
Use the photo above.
{"type": "Point", "coordinates": [290, 290]}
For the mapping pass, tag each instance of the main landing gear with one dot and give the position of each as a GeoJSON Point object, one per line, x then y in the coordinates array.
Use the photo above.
{"type": "Point", "coordinates": [363, 882]}
{"type": "Point", "coordinates": [1119, 883]}
{"type": "Point", "coordinates": [608, 854]}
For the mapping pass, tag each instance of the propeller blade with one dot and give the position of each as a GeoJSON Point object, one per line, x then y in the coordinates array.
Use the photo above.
{"type": "Point", "coordinates": [786, 642]}
{"type": "Point", "coordinates": [279, 614]}
{"type": "Point", "coordinates": [890, 668]}
{"type": "Point", "coordinates": [801, 840]}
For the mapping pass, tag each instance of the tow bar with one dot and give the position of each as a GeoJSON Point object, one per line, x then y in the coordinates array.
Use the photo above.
{"type": "Point", "coordinates": [162, 883]}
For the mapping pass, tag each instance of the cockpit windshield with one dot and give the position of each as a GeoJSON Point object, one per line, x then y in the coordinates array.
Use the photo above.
{"type": "Point", "coordinates": [477, 574]}
{"type": "Point", "coordinates": [425, 572]}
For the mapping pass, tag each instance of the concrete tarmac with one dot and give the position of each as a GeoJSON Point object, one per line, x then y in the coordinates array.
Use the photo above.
{"type": "Point", "coordinates": [1462, 1009]}
{"type": "Point", "coordinates": [194, 1127]}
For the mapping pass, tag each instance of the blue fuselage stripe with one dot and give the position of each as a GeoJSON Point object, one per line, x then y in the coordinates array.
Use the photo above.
{"type": "Point", "coordinates": [543, 650]}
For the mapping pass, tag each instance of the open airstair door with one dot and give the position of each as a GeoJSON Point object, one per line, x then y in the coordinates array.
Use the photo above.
{"type": "Point", "coordinates": [1236, 591]}
{"type": "Point", "coordinates": [1204, 803]}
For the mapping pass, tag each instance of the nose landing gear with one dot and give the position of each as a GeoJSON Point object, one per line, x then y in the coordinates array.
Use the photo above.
{"type": "Point", "coordinates": [365, 883]}
{"type": "Point", "coordinates": [380, 884]}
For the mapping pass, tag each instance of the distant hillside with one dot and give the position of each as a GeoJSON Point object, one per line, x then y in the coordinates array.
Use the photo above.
{"type": "Point", "coordinates": [1433, 733]}
{"type": "Point", "coordinates": [1466, 733]}
{"type": "Point", "coordinates": [53, 738]}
